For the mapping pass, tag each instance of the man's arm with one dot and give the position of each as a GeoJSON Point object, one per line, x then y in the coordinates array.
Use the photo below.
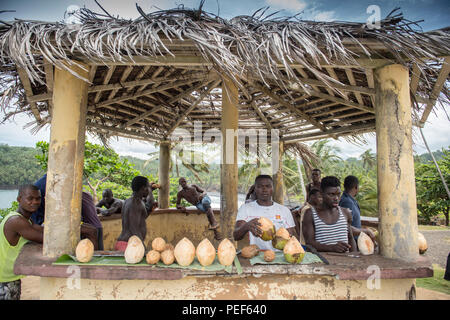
{"type": "Point", "coordinates": [241, 228]}
{"type": "Point", "coordinates": [200, 190]}
{"type": "Point", "coordinates": [351, 238]}
{"type": "Point", "coordinates": [115, 207]}
{"type": "Point", "coordinates": [100, 204]}
{"type": "Point", "coordinates": [178, 205]}
{"type": "Point", "coordinates": [26, 230]}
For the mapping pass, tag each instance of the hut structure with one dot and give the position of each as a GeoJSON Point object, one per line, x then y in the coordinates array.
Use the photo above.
{"type": "Point", "coordinates": [144, 78]}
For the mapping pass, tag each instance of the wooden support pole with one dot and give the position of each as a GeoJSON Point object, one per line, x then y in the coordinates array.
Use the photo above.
{"type": "Point", "coordinates": [229, 166]}
{"type": "Point", "coordinates": [65, 163]}
{"type": "Point", "coordinates": [396, 184]}
{"type": "Point", "coordinates": [164, 181]}
{"type": "Point", "coordinates": [278, 189]}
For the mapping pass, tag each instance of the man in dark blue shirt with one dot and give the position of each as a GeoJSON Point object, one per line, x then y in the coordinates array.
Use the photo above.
{"type": "Point", "coordinates": [351, 188]}
{"type": "Point", "coordinates": [38, 216]}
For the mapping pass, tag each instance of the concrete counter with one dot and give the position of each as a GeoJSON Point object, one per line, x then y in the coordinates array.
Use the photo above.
{"type": "Point", "coordinates": [367, 277]}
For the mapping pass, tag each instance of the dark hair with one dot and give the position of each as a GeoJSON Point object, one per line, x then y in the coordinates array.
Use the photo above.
{"type": "Point", "coordinates": [107, 192]}
{"type": "Point", "coordinates": [313, 192]}
{"type": "Point", "coordinates": [350, 182]}
{"type": "Point", "coordinates": [263, 176]}
{"type": "Point", "coordinates": [329, 182]}
{"type": "Point", "coordinates": [138, 183]}
{"type": "Point", "coordinates": [316, 170]}
{"type": "Point", "coordinates": [25, 187]}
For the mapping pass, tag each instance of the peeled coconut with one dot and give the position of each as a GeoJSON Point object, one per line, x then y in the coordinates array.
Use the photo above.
{"type": "Point", "coordinates": [84, 250]}
{"type": "Point", "coordinates": [158, 244]}
{"type": "Point", "coordinates": [250, 251]}
{"type": "Point", "coordinates": [135, 250]}
{"type": "Point", "coordinates": [205, 252]}
{"type": "Point", "coordinates": [267, 228]}
{"type": "Point", "coordinates": [269, 256]}
{"type": "Point", "coordinates": [293, 251]}
{"type": "Point", "coordinates": [281, 238]}
{"type": "Point", "coordinates": [422, 243]}
{"type": "Point", "coordinates": [167, 257]}
{"type": "Point", "coordinates": [184, 252]}
{"type": "Point", "coordinates": [153, 257]}
{"type": "Point", "coordinates": [226, 252]}
{"type": "Point", "coordinates": [365, 244]}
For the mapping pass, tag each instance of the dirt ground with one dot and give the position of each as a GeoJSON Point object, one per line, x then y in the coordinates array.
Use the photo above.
{"type": "Point", "coordinates": [438, 246]}
{"type": "Point", "coordinates": [30, 291]}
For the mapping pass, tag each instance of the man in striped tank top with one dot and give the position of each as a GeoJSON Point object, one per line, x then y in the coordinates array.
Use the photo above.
{"type": "Point", "coordinates": [327, 227]}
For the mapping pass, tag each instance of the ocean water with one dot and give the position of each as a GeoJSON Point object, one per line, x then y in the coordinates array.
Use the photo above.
{"type": "Point", "coordinates": [7, 197]}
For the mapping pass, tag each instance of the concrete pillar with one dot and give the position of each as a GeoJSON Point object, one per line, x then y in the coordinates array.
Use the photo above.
{"type": "Point", "coordinates": [65, 163]}
{"type": "Point", "coordinates": [278, 188]}
{"type": "Point", "coordinates": [229, 166]}
{"type": "Point", "coordinates": [164, 181]}
{"type": "Point", "coordinates": [396, 184]}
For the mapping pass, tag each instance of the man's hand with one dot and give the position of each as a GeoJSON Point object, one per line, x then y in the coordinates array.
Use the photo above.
{"type": "Point", "coordinates": [98, 210]}
{"type": "Point", "coordinates": [155, 205]}
{"type": "Point", "coordinates": [369, 233]}
{"type": "Point", "coordinates": [182, 209]}
{"type": "Point", "coordinates": [340, 247]}
{"type": "Point", "coordinates": [254, 227]}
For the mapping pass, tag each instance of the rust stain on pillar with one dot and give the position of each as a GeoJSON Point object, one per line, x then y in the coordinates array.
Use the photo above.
{"type": "Point", "coordinates": [229, 166]}
{"type": "Point", "coordinates": [164, 181]}
{"type": "Point", "coordinates": [278, 188]}
{"type": "Point", "coordinates": [396, 182]}
{"type": "Point", "coordinates": [65, 162]}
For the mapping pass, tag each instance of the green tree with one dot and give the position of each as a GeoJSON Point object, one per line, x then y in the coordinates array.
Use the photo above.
{"type": "Point", "coordinates": [432, 198]}
{"type": "Point", "coordinates": [100, 164]}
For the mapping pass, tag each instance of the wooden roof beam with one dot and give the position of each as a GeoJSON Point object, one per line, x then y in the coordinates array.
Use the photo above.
{"type": "Point", "coordinates": [440, 81]}
{"type": "Point", "coordinates": [29, 92]}
{"type": "Point", "coordinates": [193, 106]}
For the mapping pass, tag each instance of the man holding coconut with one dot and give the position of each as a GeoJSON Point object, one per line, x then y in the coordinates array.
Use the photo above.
{"type": "Point", "coordinates": [247, 220]}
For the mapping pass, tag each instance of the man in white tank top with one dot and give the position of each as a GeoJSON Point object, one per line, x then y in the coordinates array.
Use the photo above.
{"type": "Point", "coordinates": [249, 214]}
{"type": "Point", "coordinates": [328, 226]}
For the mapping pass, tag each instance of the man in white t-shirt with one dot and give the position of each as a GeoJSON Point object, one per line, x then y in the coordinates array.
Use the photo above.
{"type": "Point", "coordinates": [249, 214]}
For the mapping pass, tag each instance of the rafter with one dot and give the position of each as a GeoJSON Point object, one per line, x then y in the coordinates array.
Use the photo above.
{"type": "Point", "coordinates": [29, 92]}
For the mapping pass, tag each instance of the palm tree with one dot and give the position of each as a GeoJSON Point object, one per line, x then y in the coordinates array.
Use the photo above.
{"type": "Point", "coordinates": [326, 154]}
{"type": "Point", "coordinates": [369, 159]}
{"type": "Point", "coordinates": [181, 158]}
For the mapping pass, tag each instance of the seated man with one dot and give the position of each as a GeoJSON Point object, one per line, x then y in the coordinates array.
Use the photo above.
{"type": "Point", "coordinates": [249, 214]}
{"type": "Point", "coordinates": [328, 226]}
{"type": "Point", "coordinates": [251, 196]}
{"type": "Point", "coordinates": [198, 197]}
{"type": "Point", "coordinates": [16, 229]}
{"type": "Point", "coordinates": [89, 228]}
{"type": "Point", "coordinates": [111, 204]}
{"type": "Point", "coordinates": [134, 213]}
{"type": "Point", "coordinates": [351, 189]}
{"type": "Point", "coordinates": [315, 198]}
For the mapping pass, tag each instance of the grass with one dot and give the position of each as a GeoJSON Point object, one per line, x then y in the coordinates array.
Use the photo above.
{"type": "Point", "coordinates": [428, 228]}
{"type": "Point", "coordinates": [437, 282]}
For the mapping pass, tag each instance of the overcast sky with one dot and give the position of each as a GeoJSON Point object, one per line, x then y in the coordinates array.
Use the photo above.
{"type": "Point", "coordinates": [436, 14]}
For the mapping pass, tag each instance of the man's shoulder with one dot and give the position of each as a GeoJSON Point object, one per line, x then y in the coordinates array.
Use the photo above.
{"type": "Point", "coordinates": [280, 206]}
{"type": "Point", "coordinates": [345, 200]}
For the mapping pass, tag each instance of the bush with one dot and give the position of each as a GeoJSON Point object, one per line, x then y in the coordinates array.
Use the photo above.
{"type": "Point", "coordinates": [5, 212]}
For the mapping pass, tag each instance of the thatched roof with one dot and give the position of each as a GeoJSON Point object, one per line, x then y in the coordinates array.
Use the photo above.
{"type": "Point", "coordinates": [163, 70]}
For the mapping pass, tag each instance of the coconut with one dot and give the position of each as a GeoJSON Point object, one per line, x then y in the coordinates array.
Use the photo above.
{"type": "Point", "coordinates": [167, 257]}
{"type": "Point", "coordinates": [249, 251]}
{"type": "Point", "coordinates": [135, 250]}
{"type": "Point", "coordinates": [293, 251]}
{"type": "Point", "coordinates": [152, 257]}
{"type": "Point", "coordinates": [158, 244]}
{"type": "Point", "coordinates": [422, 243]}
{"type": "Point", "coordinates": [84, 250]}
{"type": "Point", "coordinates": [169, 246]}
{"type": "Point", "coordinates": [267, 228]}
{"type": "Point", "coordinates": [184, 252]}
{"type": "Point", "coordinates": [281, 238]}
{"type": "Point", "coordinates": [269, 255]}
{"type": "Point", "coordinates": [205, 252]}
{"type": "Point", "coordinates": [226, 252]}
{"type": "Point", "coordinates": [365, 244]}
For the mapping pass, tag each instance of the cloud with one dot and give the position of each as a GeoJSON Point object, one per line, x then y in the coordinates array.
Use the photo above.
{"type": "Point", "coordinates": [294, 5]}
{"type": "Point", "coordinates": [325, 16]}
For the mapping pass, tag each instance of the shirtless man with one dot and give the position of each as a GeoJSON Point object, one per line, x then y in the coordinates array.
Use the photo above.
{"type": "Point", "coordinates": [198, 197]}
{"type": "Point", "coordinates": [328, 227]}
{"type": "Point", "coordinates": [111, 204]}
{"type": "Point", "coordinates": [134, 213]}
{"type": "Point", "coordinates": [16, 229]}
{"type": "Point", "coordinates": [150, 203]}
